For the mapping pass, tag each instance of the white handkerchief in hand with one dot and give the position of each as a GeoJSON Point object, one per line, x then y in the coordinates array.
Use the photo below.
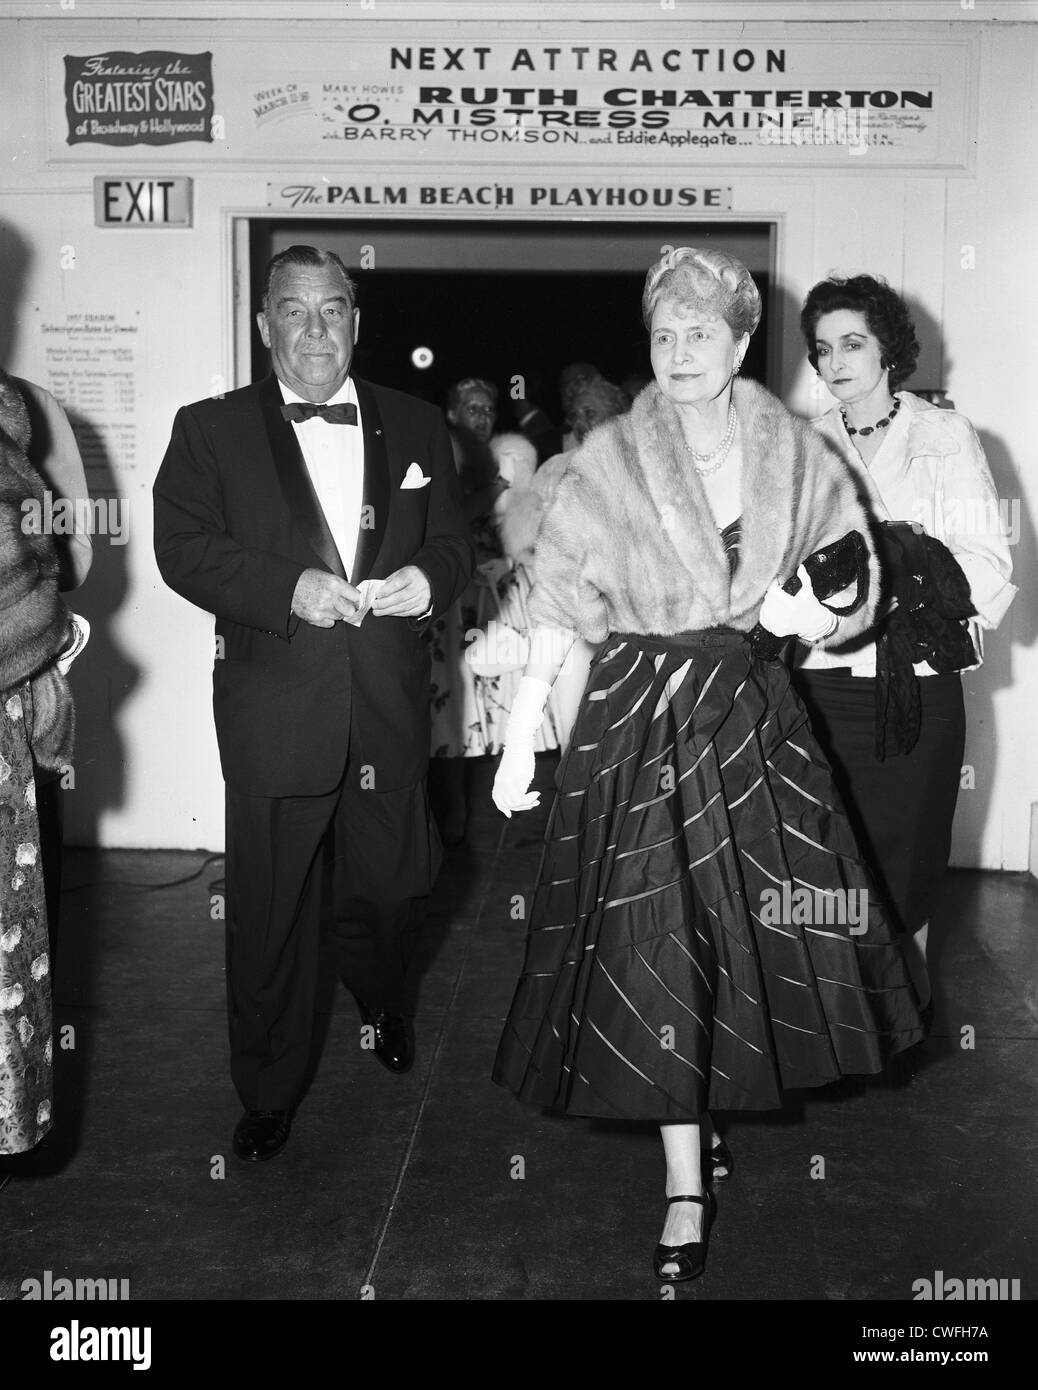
{"type": "Point", "coordinates": [368, 589]}
{"type": "Point", "coordinates": [414, 477]}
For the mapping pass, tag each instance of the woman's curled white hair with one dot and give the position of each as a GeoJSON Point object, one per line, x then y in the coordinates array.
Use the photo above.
{"type": "Point", "coordinates": [710, 282]}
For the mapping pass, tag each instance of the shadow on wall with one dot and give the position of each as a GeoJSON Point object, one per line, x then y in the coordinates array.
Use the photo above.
{"type": "Point", "coordinates": [102, 677]}
{"type": "Point", "coordinates": [15, 260]}
{"type": "Point", "coordinates": [1019, 628]}
{"type": "Point", "coordinates": [1019, 625]}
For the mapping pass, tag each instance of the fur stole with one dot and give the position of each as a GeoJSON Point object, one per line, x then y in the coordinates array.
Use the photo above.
{"type": "Point", "coordinates": [629, 543]}
{"type": "Point", "coordinates": [34, 623]}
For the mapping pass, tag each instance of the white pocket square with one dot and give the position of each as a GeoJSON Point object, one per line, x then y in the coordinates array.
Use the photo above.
{"type": "Point", "coordinates": [414, 477]}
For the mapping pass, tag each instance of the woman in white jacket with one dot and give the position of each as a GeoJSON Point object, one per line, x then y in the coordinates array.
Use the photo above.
{"type": "Point", "coordinates": [924, 468]}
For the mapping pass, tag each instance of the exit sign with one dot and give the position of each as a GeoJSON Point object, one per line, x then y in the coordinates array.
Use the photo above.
{"type": "Point", "coordinates": [151, 202]}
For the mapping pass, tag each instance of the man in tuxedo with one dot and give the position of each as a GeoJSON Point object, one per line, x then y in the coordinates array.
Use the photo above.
{"type": "Point", "coordinates": [278, 508]}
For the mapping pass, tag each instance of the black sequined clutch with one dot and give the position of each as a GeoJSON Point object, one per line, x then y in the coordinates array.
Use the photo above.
{"type": "Point", "coordinates": [832, 569]}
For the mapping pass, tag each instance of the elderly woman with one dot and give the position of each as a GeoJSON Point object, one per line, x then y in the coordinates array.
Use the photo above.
{"type": "Point", "coordinates": [702, 935]}
{"type": "Point", "coordinates": [889, 713]}
{"type": "Point", "coordinates": [592, 403]}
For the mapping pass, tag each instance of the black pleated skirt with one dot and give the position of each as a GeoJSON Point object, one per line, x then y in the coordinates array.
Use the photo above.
{"type": "Point", "coordinates": [901, 809]}
{"type": "Point", "coordinates": [704, 934]}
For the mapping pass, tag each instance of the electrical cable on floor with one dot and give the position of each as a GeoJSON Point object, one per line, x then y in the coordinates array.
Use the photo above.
{"type": "Point", "coordinates": [216, 886]}
{"type": "Point", "coordinates": [434, 1053]}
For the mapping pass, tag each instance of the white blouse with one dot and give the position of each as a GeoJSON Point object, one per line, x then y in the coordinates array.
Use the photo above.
{"type": "Point", "coordinates": [931, 469]}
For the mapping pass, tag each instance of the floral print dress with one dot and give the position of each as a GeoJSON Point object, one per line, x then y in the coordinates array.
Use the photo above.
{"type": "Point", "coordinates": [25, 1005]}
{"type": "Point", "coordinates": [470, 712]}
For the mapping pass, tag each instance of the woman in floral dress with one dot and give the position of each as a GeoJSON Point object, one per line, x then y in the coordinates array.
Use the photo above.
{"type": "Point", "coordinates": [469, 711]}
{"type": "Point", "coordinates": [36, 719]}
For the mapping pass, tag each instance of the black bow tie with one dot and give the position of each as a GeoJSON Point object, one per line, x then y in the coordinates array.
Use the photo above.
{"type": "Point", "coordinates": [298, 411]}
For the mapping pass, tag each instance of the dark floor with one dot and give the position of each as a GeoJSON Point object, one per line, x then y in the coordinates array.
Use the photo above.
{"type": "Point", "coordinates": [406, 1183]}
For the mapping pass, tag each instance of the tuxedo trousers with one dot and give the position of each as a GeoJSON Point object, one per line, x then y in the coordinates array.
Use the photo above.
{"type": "Point", "coordinates": [356, 862]}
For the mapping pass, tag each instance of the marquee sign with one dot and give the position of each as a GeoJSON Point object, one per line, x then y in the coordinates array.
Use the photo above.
{"type": "Point", "coordinates": [329, 192]}
{"type": "Point", "coordinates": [764, 97]}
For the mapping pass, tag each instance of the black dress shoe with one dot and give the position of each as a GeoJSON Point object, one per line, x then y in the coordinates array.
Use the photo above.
{"type": "Point", "coordinates": [720, 1161]}
{"type": "Point", "coordinates": [689, 1258]}
{"type": "Point", "coordinates": [394, 1041]}
{"type": "Point", "coordinates": [261, 1134]}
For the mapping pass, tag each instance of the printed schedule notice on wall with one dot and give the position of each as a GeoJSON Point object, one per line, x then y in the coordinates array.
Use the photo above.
{"type": "Point", "coordinates": [93, 368]}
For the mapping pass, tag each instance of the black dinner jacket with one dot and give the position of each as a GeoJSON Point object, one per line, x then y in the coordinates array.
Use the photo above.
{"type": "Point", "coordinates": [237, 522]}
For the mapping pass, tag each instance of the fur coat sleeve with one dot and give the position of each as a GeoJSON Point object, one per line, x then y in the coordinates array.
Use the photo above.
{"type": "Point", "coordinates": [34, 623]}
{"type": "Point", "coordinates": [629, 543]}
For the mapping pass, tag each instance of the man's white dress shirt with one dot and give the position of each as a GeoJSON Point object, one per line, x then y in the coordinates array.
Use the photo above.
{"type": "Point", "coordinates": [334, 458]}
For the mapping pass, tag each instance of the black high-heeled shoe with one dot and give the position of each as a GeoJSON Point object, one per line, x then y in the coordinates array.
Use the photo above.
{"type": "Point", "coordinates": [720, 1162]}
{"type": "Point", "coordinates": [690, 1258]}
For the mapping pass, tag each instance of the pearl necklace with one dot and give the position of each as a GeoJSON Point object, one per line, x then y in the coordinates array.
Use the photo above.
{"type": "Point", "coordinates": [870, 429]}
{"type": "Point", "coordinates": [720, 453]}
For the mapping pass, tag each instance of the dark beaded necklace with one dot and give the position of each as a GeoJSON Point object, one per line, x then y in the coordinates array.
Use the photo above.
{"type": "Point", "coordinates": [870, 429]}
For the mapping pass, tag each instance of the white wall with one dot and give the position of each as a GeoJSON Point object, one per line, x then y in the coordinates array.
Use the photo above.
{"type": "Point", "coordinates": [147, 772]}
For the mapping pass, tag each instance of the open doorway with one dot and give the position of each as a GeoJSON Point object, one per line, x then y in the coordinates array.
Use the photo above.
{"type": "Point", "coordinates": [506, 299]}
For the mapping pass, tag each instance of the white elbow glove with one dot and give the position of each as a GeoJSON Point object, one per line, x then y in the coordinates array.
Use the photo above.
{"type": "Point", "coordinates": [797, 615]}
{"type": "Point", "coordinates": [517, 767]}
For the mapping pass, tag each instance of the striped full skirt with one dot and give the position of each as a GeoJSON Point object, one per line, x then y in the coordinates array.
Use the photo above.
{"type": "Point", "coordinates": [704, 933]}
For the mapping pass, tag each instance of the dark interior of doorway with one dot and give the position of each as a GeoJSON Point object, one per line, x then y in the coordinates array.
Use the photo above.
{"type": "Point", "coordinates": [497, 323]}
